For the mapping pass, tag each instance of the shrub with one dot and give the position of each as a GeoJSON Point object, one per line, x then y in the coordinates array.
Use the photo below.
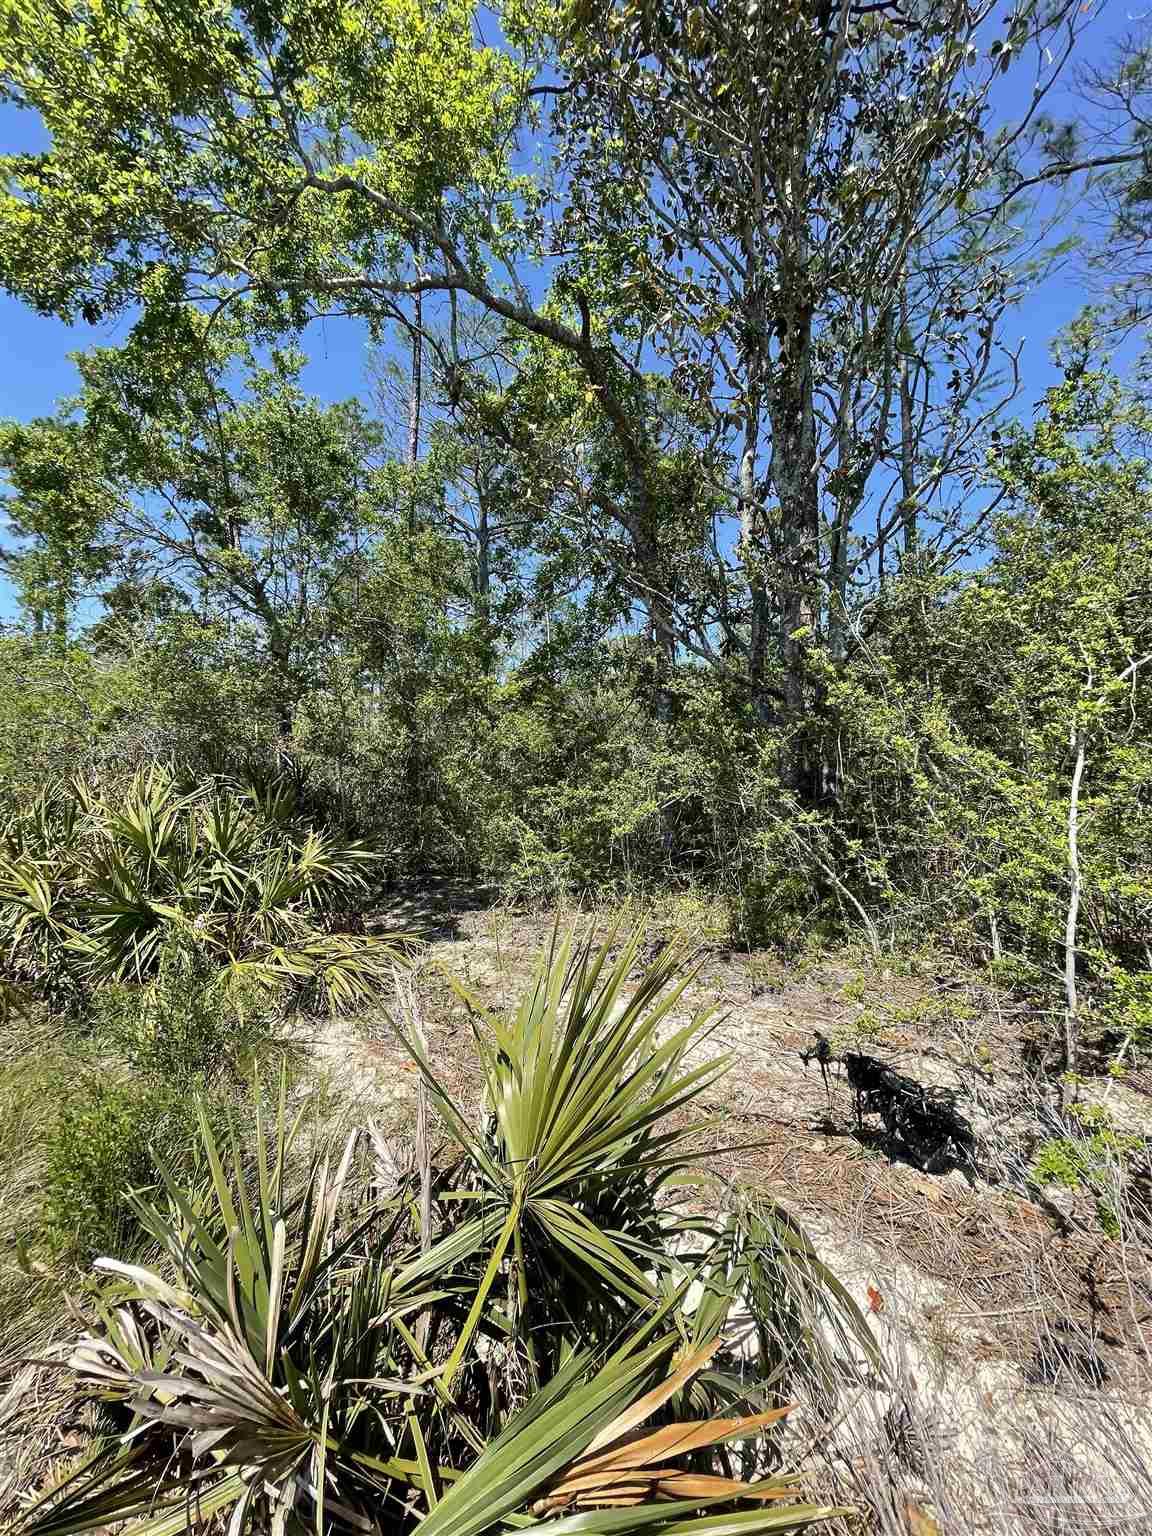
{"type": "Point", "coordinates": [96, 889]}
{"type": "Point", "coordinates": [500, 1348]}
{"type": "Point", "coordinates": [183, 1026]}
{"type": "Point", "coordinates": [1092, 1156]}
{"type": "Point", "coordinates": [1125, 1014]}
{"type": "Point", "coordinates": [100, 1147]}
{"type": "Point", "coordinates": [57, 708]}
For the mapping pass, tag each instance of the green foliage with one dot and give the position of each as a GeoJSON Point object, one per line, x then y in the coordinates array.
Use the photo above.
{"type": "Point", "coordinates": [568, 1174]}
{"type": "Point", "coordinates": [266, 533]}
{"type": "Point", "coordinates": [954, 726]}
{"type": "Point", "coordinates": [298, 1328]}
{"type": "Point", "coordinates": [854, 991]}
{"type": "Point", "coordinates": [181, 1027]}
{"type": "Point", "coordinates": [1126, 1011]}
{"type": "Point", "coordinates": [565, 831]}
{"type": "Point", "coordinates": [98, 889]}
{"type": "Point", "coordinates": [414, 105]}
{"type": "Point", "coordinates": [867, 1028]}
{"type": "Point", "coordinates": [57, 507]}
{"type": "Point", "coordinates": [570, 768]}
{"type": "Point", "coordinates": [101, 1146]}
{"type": "Point", "coordinates": [84, 1112]}
{"type": "Point", "coordinates": [40, 1061]}
{"type": "Point", "coordinates": [533, 624]}
{"type": "Point", "coordinates": [755, 906]}
{"type": "Point", "coordinates": [1092, 1157]}
{"type": "Point", "coordinates": [58, 707]}
{"type": "Point", "coordinates": [696, 558]}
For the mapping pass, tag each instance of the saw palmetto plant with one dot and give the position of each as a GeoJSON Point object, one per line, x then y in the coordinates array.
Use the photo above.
{"type": "Point", "coordinates": [549, 1337]}
{"type": "Point", "coordinates": [96, 889]}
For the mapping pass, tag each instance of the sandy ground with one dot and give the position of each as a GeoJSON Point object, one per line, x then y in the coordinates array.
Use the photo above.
{"type": "Point", "coordinates": [1018, 1394]}
{"type": "Point", "coordinates": [1011, 1319]}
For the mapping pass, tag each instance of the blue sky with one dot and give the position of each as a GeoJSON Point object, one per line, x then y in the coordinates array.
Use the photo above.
{"type": "Point", "coordinates": [36, 370]}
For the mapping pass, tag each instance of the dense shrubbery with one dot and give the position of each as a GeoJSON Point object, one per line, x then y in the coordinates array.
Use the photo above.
{"type": "Point", "coordinates": [182, 1026]}
{"type": "Point", "coordinates": [98, 888]}
{"type": "Point", "coordinates": [91, 1105]}
{"type": "Point", "coordinates": [101, 1143]}
{"type": "Point", "coordinates": [426, 719]}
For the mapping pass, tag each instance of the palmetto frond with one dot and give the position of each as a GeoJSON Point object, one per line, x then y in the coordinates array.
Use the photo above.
{"type": "Point", "coordinates": [572, 1447]}
{"type": "Point", "coordinates": [308, 1352]}
{"type": "Point", "coordinates": [581, 1082]}
{"type": "Point", "coordinates": [101, 887]}
{"type": "Point", "coordinates": [149, 817]}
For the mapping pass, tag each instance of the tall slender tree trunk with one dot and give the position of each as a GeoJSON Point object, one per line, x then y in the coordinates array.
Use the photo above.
{"type": "Point", "coordinates": [284, 705]}
{"type": "Point", "coordinates": [752, 545]}
{"type": "Point", "coordinates": [415, 393]}
{"type": "Point", "coordinates": [1072, 916]}
{"type": "Point", "coordinates": [794, 477]}
{"type": "Point", "coordinates": [753, 532]}
{"type": "Point", "coordinates": [483, 558]}
{"type": "Point", "coordinates": [910, 519]}
{"type": "Point", "coordinates": [841, 531]}
{"type": "Point", "coordinates": [483, 575]}
{"type": "Point", "coordinates": [414, 757]}
{"type": "Point", "coordinates": [60, 620]}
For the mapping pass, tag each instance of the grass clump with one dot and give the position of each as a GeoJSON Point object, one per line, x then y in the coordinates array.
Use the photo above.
{"type": "Point", "coordinates": [1092, 1155]}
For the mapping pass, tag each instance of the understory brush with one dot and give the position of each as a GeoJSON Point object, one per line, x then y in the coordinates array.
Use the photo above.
{"type": "Point", "coordinates": [87, 1105]}
{"type": "Point", "coordinates": [35, 1063]}
{"type": "Point", "coordinates": [184, 1027]}
{"type": "Point", "coordinates": [540, 1328]}
{"type": "Point", "coordinates": [98, 887]}
{"type": "Point", "coordinates": [82, 1125]}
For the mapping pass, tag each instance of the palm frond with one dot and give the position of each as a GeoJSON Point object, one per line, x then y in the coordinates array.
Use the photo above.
{"type": "Point", "coordinates": [549, 1342]}
{"type": "Point", "coordinates": [581, 1082]}
{"type": "Point", "coordinates": [102, 887]}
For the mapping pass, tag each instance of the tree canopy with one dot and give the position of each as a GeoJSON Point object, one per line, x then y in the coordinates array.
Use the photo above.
{"type": "Point", "coordinates": [692, 517]}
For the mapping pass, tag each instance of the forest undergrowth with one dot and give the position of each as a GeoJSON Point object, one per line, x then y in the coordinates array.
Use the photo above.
{"type": "Point", "coordinates": [1011, 1288]}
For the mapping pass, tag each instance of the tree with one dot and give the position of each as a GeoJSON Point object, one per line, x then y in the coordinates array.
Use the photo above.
{"type": "Point", "coordinates": [797, 217]}
{"type": "Point", "coordinates": [993, 728]}
{"type": "Point", "coordinates": [762, 260]}
{"type": "Point", "coordinates": [1114, 143]}
{"type": "Point", "coordinates": [57, 509]}
{"type": "Point", "coordinates": [250, 507]}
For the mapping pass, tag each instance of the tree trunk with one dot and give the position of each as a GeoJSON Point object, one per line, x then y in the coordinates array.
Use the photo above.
{"type": "Point", "coordinates": [847, 503]}
{"type": "Point", "coordinates": [284, 699]}
{"type": "Point", "coordinates": [910, 518]}
{"type": "Point", "coordinates": [60, 619]}
{"type": "Point", "coordinates": [483, 577]}
{"type": "Point", "coordinates": [414, 401]}
{"type": "Point", "coordinates": [793, 475]}
{"type": "Point", "coordinates": [483, 553]}
{"type": "Point", "coordinates": [1072, 918]}
{"type": "Point", "coordinates": [752, 543]}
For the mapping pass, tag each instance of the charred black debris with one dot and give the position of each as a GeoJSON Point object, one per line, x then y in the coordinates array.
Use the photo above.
{"type": "Point", "coordinates": [922, 1122]}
